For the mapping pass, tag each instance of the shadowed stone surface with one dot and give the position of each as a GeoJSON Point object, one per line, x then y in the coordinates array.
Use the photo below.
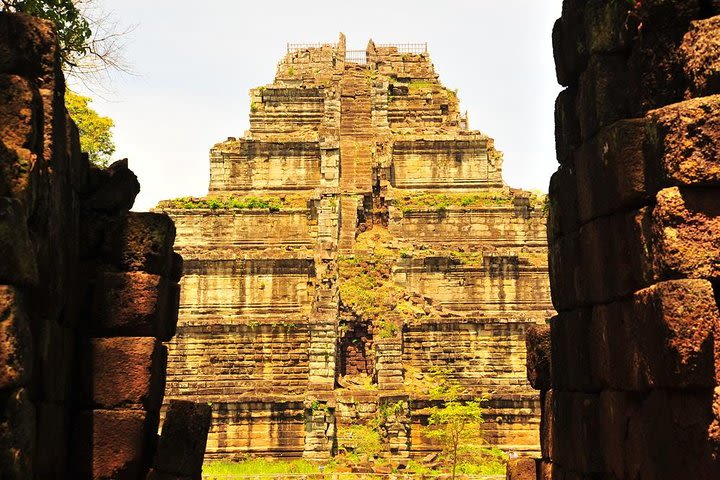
{"type": "Point", "coordinates": [633, 245]}
{"type": "Point", "coordinates": [75, 268]}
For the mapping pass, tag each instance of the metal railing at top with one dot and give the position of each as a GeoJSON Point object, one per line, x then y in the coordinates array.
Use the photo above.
{"type": "Point", "coordinates": [292, 47]}
{"type": "Point", "coordinates": [356, 56]}
{"type": "Point", "coordinates": [416, 48]}
{"type": "Point", "coordinates": [406, 47]}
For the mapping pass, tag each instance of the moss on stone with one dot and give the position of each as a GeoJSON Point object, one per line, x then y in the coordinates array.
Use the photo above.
{"type": "Point", "coordinates": [273, 204]}
{"type": "Point", "coordinates": [440, 202]}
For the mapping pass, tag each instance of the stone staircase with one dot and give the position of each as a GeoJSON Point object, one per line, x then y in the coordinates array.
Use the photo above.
{"type": "Point", "coordinates": [348, 223]}
{"type": "Point", "coordinates": [355, 132]}
{"type": "Point", "coordinates": [356, 159]}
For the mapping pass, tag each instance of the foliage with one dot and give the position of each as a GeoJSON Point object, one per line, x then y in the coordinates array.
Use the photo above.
{"type": "Point", "coordinates": [72, 27]}
{"type": "Point", "coordinates": [95, 130]}
{"type": "Point", "coordinates": [368, 289]}
{"type": "Point", "coordinates": [441, 202]}
{"type": "Point", "coordinates": [367, 286]}
{"type": "Point", "coordinates": [456, 425]}
{"type": "Point", "coordinates": [540, 200]}
{"type": "Point", "coordinates": [274, 204]}
{"type": "Point", "coordinates": [89, 40]}
{"type": "Point", "coordinates": [387, 329]}
{"type": "Point", "coordinates": [260, 466]}
{"type": "Point", "coordinates": [364, 440]}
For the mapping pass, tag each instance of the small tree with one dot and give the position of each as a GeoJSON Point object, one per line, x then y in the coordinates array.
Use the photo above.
{"type": "Point", "coordinates": [95, 130]}
{"type": "Point", "coordinates": [456, 425]}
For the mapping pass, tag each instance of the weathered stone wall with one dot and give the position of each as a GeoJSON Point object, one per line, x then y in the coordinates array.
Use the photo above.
{"type": "Point", "coordinates": [257, 165]}
{"type": "Point", "coordinates": [425, 163]}
{"type": "Point", "coordinates": [368, 174]}
{"type": "Point", "coordinates": [88, 290]}
{"type": "Point", "coordinates": [628, 370]}
{"type": "Point", "coordinates": [500, 227]}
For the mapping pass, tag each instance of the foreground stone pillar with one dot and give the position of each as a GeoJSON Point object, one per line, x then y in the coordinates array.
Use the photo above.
{"type": "Point", "coordinates": [181, 448]}
{"type": "Point", "coordinates": [88, 290]}
{"type": "Point", "coordinates": [628, 377]}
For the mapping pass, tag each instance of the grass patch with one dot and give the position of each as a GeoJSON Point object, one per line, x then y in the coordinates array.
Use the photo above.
{"type": "Point", "coordinates": [439, 202]}
{"type": "Point", "coordinates": [273, 204]}
{"type": "Point", "coordinates": [259, 466]}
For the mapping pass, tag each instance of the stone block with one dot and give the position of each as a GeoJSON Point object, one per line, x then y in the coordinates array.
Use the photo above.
{"type": "Point", "coordinates": [577, 442]}
{"type": "Point", "coordinates": [614, 348]}
{"type": "Point", "coordinates": [616, 410]}
{"type": "Point", "coordinates": [17, 434]}
{"type": "Point", "coordinates": [522, 468]}
{"type": "Point", "coordinates": [714, 429]}
{"type": "Point", "coordinates": [176, 270]}
{"type": "Point", "coordinates": [16, 167]}
{"type": "Point", "coordinates": [132, 304]}
{"type": "Point", "coordinates": [547, 424]}
{"type": "Point", "coordinates": [684, 142]}
{"type": "Point", "coordinates": [20, 114]}
{"type": "Point", "coordinates": [663, 15]}
{"type": "Point", "coordinates": [611, 171]}
{"type": "Point", "coordinates": [673, 327]}
{"type": "Point", "coordinates": [79, 162]}
{"type": "Point", "coordinates": [545, 470]}
{"type": "Point", "coordinates": [615, 250]}
{"type": "Point", "coordinates": [685, 232]}
{"type": "Point", "coordinates": [16, 345]}
{"type": "Point", "coordinates": [143, 242]}
{"type": "Point", "coordinates": [28, 47]}
{"type": "Point", "coordinates": [668, 437]}
{"type": "Point", "coordinates": [608, 26]}
{"type": "Point", "coordinates": [111, 190]}
{"type": "Point", "coordinates": [124, 372]}
{"type": "Point", "coordinates": [182, 443]}
{"type": "Point", "coordinates": [700, 54]}
{"type": "Point", "coordinates": [597, 245]}
{"type": "Point", "coordinates": [53, 436]}
{"type": "Point", "coordinates": [537, 341]}
{"type": "Point", "coordinates": [169, 328]}
{"type": "Point", "coordinates": [654, 70]}
{"type": "Point", "coordinates": [54, 365]}
{"type": "Point", "coordinates": [567, 127]}
{"type": "Point", "coordinates": [573, 367]}
{"type": "Point", "coordinates": [602, 93]}
{"type": "Point", "coordinates": [19, 265]}
{"type": "Point", "coordinates": [111, 444]}
{"type": "Point", "coordinates": [565, 271]}
{"type": "Point", "coordinates": [568, 39]}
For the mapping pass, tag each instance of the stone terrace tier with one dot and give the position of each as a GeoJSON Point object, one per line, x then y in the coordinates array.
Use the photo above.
{"type": "Point", "coordinates": [355, 242]}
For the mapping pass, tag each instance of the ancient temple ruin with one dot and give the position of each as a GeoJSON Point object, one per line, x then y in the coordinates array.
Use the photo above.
{"type": "Point", "coordinates": [356, 242]}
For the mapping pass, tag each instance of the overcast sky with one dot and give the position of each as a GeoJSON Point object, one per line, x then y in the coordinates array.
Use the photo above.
{"type": "Point", "coordinates": [195, 62]}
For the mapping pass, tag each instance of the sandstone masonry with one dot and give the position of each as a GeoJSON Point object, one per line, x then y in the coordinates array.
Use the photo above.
{"type": "Point", "coordinates": [88, 290]}
{"type": "Point", "coordinates": [629, 368]}
{"type": "Point", "coordinates": [358, 237]}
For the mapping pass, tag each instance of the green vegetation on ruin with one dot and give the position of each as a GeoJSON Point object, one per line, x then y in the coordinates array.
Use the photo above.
{"type": "Point", "coordinates": [417, 85]}
{"type": "Point", "coordinates": [273, 204]}
{"type": "Point", "coordinates": [360, 442]}
{"type": "Point", "coordinates": [367, 288]}
{"type": "Point", "coordinates": [491, 465]}
{"type": "Point", "coordinates": [259, 466]}
{"type": "Point", "coordinates": [439, 202]}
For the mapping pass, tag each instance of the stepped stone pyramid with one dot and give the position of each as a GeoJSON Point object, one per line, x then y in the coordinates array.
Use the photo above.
{"type": "Point", "coordinates": [357, 244]}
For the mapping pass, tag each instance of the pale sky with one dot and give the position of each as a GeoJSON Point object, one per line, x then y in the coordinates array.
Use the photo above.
{"type": "Point", "coordinates": [196, 61]}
